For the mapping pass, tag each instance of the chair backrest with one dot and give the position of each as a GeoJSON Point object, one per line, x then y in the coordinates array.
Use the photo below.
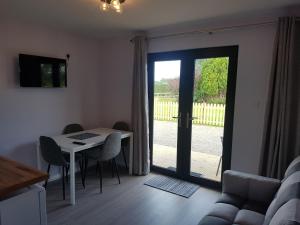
{"type": "Point", "coordinates": [120, 125]}
{"type": "Point", "coordinates": [51, 152]}
{"type": "Point", "coordinates": [72, 128]}
{"type": "Point", "coordinates": [111, 147]}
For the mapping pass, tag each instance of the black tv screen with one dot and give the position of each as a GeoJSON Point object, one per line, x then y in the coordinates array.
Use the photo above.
{"type": "Point", "coordinates": [37, 71]}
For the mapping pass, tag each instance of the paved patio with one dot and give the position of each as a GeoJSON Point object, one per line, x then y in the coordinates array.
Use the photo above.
{"type": "Point", "coordinates": [206, 148]}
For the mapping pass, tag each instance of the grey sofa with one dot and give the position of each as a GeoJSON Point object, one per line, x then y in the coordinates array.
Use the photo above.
{"type": "Point", "coordinates": [255, 200]}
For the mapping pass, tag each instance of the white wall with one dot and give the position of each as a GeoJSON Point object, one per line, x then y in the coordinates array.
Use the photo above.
{"type": "Point", "coordinates": [116, 67]}
{"type": "Point", "coordinates": [27, 113]}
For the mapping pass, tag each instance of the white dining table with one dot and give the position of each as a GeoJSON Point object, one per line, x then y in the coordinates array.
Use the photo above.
{"type": "Point", "coordinates": [67, 145]}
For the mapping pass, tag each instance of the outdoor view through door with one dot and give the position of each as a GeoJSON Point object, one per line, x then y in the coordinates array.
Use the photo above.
{"type": "Point", "coordinates": [191, 100]}
{"type": "Point", "coordinates": [209, 102]}
{"type": "Point", "coordinates": [166, 96]}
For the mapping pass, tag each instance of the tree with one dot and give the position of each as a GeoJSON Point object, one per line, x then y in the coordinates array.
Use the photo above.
{"type": "Point", "coordinates": [173, 85]}
{"type": "Point", "coordinates": [161, 87]}
{"type": "Point", "coordinates": [211, 79]}
{"type": "Point", "coordinates": [167, 86]}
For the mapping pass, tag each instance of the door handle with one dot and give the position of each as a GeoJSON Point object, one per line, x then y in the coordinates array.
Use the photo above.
{"type": "Point", "coordinates": [188, 119]}
{"type": "Point", "coordinates": [179, 119]}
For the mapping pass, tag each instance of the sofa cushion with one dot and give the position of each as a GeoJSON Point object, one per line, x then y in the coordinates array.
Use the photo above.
{"type": "Point", "coordinates": [251, 200]}
{"type": "Point", "coordinates": [271, 212]}
{"type": "Point", "coordinates": [231, 199]}
{"type": "Point", "coordinates": [247, 217]}
{"type": "Point", "coordinates": [292, 170]}
{"type": "Point", "coordinates": [293, 178]}
{"type": "Point", "coordinates": [249, 186]}
{"type": "Point", "coordinates": [259, 207]}
{"type": "Point", "coordinates": [288, 214]}
{"type": "Point", "coordinates": [236, 183]}
{"type": "Point", "coordinates": [262, 189]}
{"type": "Point", "coordinates": [289, 189]}
{"type": "Point", "coordinates": [293, 167]}
{"type": "Point", "coordinates": [225, 214]}
{"type": "Point", "coordinates": [243, 203]}
{"type": "Point", "coordinates": [224, 211]}
{"type": "Point", "coordinates": [212, 220]}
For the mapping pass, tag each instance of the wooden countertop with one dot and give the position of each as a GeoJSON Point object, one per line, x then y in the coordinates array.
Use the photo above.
{"type": "Point", "coordinates": [15, 176]}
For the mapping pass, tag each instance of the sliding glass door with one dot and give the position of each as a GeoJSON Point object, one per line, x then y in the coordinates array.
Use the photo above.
{"type": "Point", "coordinates": [191, 95]}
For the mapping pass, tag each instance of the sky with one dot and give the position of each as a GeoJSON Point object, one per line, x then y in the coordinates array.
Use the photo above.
{"type": "Point", "coordinates": [166, 69]}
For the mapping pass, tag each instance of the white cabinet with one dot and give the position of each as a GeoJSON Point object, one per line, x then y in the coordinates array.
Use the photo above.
{"type": "Point", "coordinates": [26, 207]}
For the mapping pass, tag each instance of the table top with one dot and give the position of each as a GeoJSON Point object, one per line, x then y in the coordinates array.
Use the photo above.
{"type": "Point", "coordinates": [67, 145]}
{"type": "Point", "coordinates": [15, 176]}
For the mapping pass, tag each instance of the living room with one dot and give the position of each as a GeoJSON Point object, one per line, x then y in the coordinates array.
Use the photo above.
{"type": "Point", "coordinates": [100, 48]}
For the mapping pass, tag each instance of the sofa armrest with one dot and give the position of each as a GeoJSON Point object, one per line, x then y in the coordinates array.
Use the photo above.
{"type": "Point", "coordinates": [249, 186]}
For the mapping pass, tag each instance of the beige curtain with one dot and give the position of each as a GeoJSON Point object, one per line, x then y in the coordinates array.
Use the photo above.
{"type": "Point", "coordinates": [281, 141]}
{"type": "Point", "coordinates": [140, 121]}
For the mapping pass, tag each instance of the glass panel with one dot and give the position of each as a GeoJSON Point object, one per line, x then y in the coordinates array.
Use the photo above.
{"type": "Point", "coordinates": [165, 124]}
{"type": "Point", "coordinates": [62, 75]}
{"type": "Point", "coordinates": [46, 75]}
{"type": "Point", "coordinates": [210, 86]}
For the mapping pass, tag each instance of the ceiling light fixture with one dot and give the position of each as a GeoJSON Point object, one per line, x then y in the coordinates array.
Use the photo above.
{"type": "Point", "coordinates": [114, 4]}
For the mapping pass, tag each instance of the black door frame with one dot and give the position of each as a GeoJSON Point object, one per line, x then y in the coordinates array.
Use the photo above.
{"type": "Point", "coordinates": [187, 58]}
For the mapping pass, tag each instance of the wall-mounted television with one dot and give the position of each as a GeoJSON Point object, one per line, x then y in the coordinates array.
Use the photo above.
{"type": "Point", "coordinates": [38, 71]}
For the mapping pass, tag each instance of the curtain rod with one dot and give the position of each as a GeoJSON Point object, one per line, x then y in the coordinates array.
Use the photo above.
{"type": "Point", "coordinates": [213, 30]}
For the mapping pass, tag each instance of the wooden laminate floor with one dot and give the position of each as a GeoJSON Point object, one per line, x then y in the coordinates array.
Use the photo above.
{"type": "Point", "coordinates": [131, 203]}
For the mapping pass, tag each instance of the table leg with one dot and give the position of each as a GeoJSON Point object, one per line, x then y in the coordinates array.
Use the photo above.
{"type": "Point", "coordinates": [39, 159]}
{"type": "Point", "coordinates": [72, 178]}
{"type": "Point", "coordinates": [130, 154]}
{"type": "Point", "coordinates": [38, 156]}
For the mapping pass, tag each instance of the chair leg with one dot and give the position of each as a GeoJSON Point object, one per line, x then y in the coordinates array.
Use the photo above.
{"type": "Point", "coordinates": [220, 160]}
{"type": "Point", "coordinates": [85, 167]}
{"type": "Point", "coordinates": [117, 171]}
{"type": "Point", "coordinates": [63, 182]}
{"type": "Point", "coordinates": [83, 155]}
{"type": "Point", "coordinates": [124, 157]}
{"type": "Point", "coordinates": [99, 164]}
{"type": "Point", "coordinates": [112, 169]}
{"type": "Point", "coordinates": [48, 171]}
{"type": "Point", "coordinates": [97, 168]}
{"type": "Point", "coordinates": [81, 167]}
{"type": "Point", "coordinates": [67, 174]}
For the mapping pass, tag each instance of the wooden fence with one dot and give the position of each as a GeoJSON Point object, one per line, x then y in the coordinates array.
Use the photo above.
{"type": "Point", "coordinates": [205, 114]}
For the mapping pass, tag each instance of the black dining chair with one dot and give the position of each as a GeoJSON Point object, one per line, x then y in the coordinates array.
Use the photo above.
{"type": "Point", "coordinates": [53, 155]}
{"type": "Point", "coordinates": [122, 126]}
{"type": "Point", "coordinates": [108, 153]}
{"type": "Point", "coordinates": [72, 128]}
{"type": "Point", "coordinates": [69, 129]}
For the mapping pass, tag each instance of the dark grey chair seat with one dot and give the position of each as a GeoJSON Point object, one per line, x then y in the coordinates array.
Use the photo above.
{"type": "Point", "coordinates": [108, 152]}
{"type": "Point", "coordinates": [72, 128]}
{"type": "Point", "coordinates": [94, 153]}
{"type": "Point", "coordinates": [122, 126]}
{"type": "Point", "coordinates": [53, 155]}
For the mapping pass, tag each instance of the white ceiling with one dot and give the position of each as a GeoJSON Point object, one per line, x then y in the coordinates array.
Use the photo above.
{"type": "Point", "coordinates": [84, 16]}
